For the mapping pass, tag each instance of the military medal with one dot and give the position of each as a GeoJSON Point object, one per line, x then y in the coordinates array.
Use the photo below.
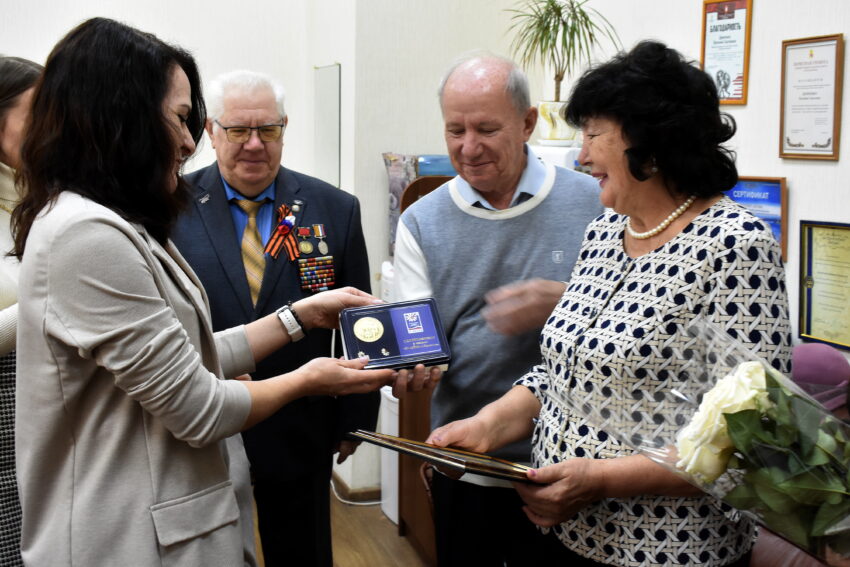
{"type": "Point", "coordinates": [317, 274]}
{"type": "Point", "coordinates": [319, 231]}
{"type": "Point", "coordinates": [305, 246]}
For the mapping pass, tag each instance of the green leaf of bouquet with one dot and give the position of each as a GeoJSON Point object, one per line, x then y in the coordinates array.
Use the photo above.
{"type": "Point", "coordinates": [826, 442]}
{"type": "Point", "coordinates": [842, 527]}
{"type": "Point", "coordinates": [813, 488]}
{"type": "Point", "coordinates": [764, 484]}
{"type": "Point", "coordinates": [795, 527]}
{"type": "Point", "coordinates": [842, 431]}
{"type": "Point", "coordinates": [742, 497]}
{"type": "Point", "coordinates": [744, 428]}
{"type": "Point", "coordinates": [775, 460]}
{"type": "Point", "coordinates": [808, 417]}
{"type": "Point", "coordinates": [781, 411]}
{"type": "Point", "coordinates": [828, 515]}
{"type": "Point", "coordinates": [817, 457]}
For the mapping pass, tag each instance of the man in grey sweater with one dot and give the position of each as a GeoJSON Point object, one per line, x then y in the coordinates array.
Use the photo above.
{"type": "Point", "coordinates": [506, 231]}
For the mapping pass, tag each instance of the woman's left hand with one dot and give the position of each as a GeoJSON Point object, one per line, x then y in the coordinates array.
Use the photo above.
{"type": "Point", "coordinates": [564, 489]}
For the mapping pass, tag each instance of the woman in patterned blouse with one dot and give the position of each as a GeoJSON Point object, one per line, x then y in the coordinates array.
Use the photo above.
{"type": "Point", "coordinates": [672, 248]}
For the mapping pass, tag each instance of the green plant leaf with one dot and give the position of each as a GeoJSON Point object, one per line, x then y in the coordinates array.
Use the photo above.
{"type": "Point", "coordinates": [807, 420]}
{"type": "Point", "coordinates": [828, 515]}
{"type": "Point", "coordinates": [817, 457]}
{"type": "Point", "coordinates": [744, 427]}
{"type": "Point", "coordinates": [796, 527]}
{"type": "Point", "coordinates": [558, 33]}
{"type": "Point", "coordinates": [764, 482]}
{"type": "Point", "coordinates": [813, 488]}
{"type": "Point", "coordinates": [776, 459]}
{"type": "Point", "coordinates": [828, 443]}
{"type": "Point", "coordinates": [743, 497]}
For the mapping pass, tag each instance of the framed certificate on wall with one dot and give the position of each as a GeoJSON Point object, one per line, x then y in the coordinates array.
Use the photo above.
{"type": "Point", "coordinates": [725, 53]}
{"type": "Point", "coordinates": [825, 282]}
{"type": "Point", "coordinates": [810, 118]}
{"type": "Point", "coordinates": [766, 198]}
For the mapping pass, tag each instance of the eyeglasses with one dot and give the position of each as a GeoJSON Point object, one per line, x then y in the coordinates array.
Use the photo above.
{"type": "Point", "coordinates": [241, 134]}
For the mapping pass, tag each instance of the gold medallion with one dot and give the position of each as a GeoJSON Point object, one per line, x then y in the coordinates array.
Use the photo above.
{"type": "Point", "coordinates": [368, 329]}
{"type": "Point", "coordinates": [305, 246]}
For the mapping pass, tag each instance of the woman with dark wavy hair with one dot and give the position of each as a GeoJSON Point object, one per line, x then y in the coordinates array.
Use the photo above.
{"type": "Point", "coordinates": [17, 83]}
{"type": "Point", "coordinates": [126, 432]}
{"type": "Point", "coordinates": [672, 248]}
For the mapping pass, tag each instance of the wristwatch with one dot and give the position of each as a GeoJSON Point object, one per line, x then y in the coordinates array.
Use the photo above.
{"type": "Point", "coordinates": [290, 322]}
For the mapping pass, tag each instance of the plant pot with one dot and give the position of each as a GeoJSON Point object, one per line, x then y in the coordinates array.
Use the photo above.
{"type": "Point", "coordinates": [554, 129]}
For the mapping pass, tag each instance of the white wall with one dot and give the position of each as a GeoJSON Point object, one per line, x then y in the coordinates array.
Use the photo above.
{"type": "Point", "coordinates": [267, 36]}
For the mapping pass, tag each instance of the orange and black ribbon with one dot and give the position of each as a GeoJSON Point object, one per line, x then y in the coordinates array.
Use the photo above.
{"type": "Point", "coordinates": [283, 237]}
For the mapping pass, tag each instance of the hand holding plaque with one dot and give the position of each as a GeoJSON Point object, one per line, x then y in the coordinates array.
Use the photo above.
{"type": "Point", "coordinates": [395, 335]}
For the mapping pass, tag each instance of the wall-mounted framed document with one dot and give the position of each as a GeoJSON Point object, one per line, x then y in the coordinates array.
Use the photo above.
{"type": "Point", "coordinates": [810, 107]}
{"type": "Point", "coordinates": [825, 282]}
{"type": "Point", "coordinates": [766, 198]}
{"type": "Point", "coordinates": [725, 53]}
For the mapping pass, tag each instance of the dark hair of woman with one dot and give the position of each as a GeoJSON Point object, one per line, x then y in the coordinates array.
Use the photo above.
{"type": "Point", "coordinates": [17, 75]}
{"type": "Point", "coordinates": [98, 127]}
{"type": "Point", "coordinates": [669, 113]}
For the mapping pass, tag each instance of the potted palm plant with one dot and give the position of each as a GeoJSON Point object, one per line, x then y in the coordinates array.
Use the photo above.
{"type": "Point", "coordinates": [559, 35]}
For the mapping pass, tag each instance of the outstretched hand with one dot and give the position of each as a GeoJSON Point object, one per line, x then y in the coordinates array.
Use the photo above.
{"type": "Point", "coordinates": [521, 306]}
{"type": "Point", "coordinates": [416, 379]}
{"type": "Point", "coordinates": [322, 310]}
{"type": "Point", "coordinates": [470, 434]}
{"type": "Point", "coordinates": [338, 377]}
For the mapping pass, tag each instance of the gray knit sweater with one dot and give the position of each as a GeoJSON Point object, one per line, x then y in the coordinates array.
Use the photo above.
{"type": "Point", "coordinates": [464, 251]}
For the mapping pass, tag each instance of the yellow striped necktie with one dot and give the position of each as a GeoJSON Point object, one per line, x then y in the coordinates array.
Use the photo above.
{"type": "Point", "coordinates": [252, 247]}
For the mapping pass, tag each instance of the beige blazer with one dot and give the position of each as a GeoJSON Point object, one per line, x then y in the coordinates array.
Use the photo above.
{"type": "Point", "coordinates": [121, 413]}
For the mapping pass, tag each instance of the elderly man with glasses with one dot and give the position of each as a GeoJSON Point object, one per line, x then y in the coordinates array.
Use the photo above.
{"type": "Point", "coordinates": [260, 236]}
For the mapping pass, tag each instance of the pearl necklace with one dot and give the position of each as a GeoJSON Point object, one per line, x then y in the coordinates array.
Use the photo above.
{"type": "Point", "coordinates": [664, 224]}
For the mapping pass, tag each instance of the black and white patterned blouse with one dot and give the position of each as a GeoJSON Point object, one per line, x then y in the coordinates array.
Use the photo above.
{"type": "Point", "coordinates": [617, 339]}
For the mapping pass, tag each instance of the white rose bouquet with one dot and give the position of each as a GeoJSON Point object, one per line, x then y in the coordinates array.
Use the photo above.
{"type": "Point", "coordinates": [744, 433]}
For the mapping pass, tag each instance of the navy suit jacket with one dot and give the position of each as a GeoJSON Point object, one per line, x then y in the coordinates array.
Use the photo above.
{"type": "Point", "coordinates": [299, 438]}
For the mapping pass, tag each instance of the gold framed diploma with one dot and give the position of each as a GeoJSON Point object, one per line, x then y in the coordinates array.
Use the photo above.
{"type": "Point", "coordinates": [456, 460]}
{"type": "Point", "coordinates": [825, 283]}
{"type": "Point", "coordinates": [810, 103]}
{"type": "Point", "coordinates": [725, 53]}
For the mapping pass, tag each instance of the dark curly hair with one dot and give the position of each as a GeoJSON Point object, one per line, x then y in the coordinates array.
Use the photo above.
{"type": "Point", "coordinates": [669, 113]}
{"type": "Point", "coordinates": [98, 127]}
